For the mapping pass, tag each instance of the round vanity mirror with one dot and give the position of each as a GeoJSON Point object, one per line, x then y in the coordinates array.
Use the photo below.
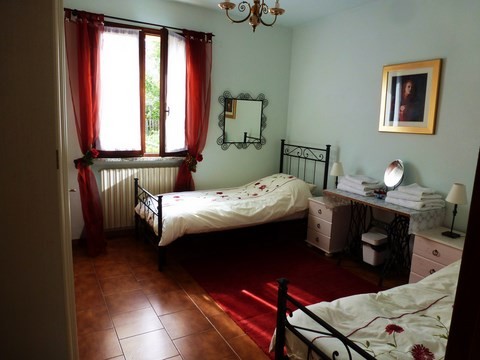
{"type": "Point", "coordinates": [393, 174]}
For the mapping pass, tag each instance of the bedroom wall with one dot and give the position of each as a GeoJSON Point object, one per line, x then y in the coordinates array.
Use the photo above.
{"type": "Point", "coordinates": [335, 86]}
{"type": "Point", "coordinates": [243, 61]}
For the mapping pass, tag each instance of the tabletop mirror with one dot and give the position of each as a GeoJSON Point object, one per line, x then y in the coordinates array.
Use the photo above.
{"type": "Point", "coordinates": [393, 174]}
{"type": "Point", "coordinates": [242, 120]}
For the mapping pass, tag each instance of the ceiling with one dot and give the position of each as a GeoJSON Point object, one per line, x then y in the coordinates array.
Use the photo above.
{"type": "Point", "coordinates": [296, 11]}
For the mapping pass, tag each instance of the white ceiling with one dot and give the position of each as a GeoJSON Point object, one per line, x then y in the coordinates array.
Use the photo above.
{"type": "Point", "coordinates": [296, 11]}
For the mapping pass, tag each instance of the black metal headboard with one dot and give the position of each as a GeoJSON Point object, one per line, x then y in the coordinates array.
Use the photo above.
{"type": "Point", "coordinates": [301, 161]}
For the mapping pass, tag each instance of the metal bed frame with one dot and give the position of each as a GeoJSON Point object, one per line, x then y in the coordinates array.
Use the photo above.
{"type": "Point", "coordinates": [300, 161]}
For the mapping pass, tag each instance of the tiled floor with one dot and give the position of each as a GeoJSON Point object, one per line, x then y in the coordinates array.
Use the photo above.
{"type": "Point", "coordinates": [126, 309]}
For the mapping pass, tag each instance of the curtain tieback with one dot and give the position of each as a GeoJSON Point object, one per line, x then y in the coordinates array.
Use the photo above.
{"type": "Point", "coordinates": [87, 159]}
{"type": "Point", "coordinates": [191, 161]}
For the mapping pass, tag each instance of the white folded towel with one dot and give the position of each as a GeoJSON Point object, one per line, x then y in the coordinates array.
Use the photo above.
{"type": "Point", "coordinates": [406, 196]}
{"type": "Point", "coordinates": [361, 179]}
{"type": "Point", "coordinates": [362, 187]}
{"type": "Point", "coordinates": [417, 205]}
{"type": "Point", "coordinates": [415, 189]}
{"type": "Point", "coordinates": [343, 186]}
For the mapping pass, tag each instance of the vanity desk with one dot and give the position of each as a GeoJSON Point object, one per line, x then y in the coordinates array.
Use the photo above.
{"type": "Point", "coordinates": [405, 223]}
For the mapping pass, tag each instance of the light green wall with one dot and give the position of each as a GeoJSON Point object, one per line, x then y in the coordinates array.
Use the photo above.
{"type": "Point", "coordinates": [243, 61]}
{"type": "Point", "coordinates": [335, 86]}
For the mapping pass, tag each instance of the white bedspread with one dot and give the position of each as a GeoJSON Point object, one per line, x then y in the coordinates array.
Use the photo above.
{"type": "Point", "coordinates": [269, 199]}
{"type": "Point", "coordinates": [407, 322]}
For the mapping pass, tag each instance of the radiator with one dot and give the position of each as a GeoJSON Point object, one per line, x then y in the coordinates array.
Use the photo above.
{"type": "Point", "coordinates": [117, 191]}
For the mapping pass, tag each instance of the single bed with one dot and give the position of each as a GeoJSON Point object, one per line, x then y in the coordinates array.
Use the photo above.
{"type": "Point", "coordinates": [278, 197]}
{"type": "Point", "coordinates": [411, 321]}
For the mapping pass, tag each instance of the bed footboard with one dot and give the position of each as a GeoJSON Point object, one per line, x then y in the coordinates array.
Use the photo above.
{"type": "Point", "coordinates": [284, 304]}
{"type": "Point", "coordinates": [152, 211]}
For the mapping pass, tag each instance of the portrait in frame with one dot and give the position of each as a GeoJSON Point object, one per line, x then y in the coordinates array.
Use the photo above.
{"type": "Point", "coordinates": [409, 97]}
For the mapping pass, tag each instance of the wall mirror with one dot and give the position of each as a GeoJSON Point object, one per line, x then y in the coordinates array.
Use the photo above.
{"type": "Point", "coordinates": [242, 120]}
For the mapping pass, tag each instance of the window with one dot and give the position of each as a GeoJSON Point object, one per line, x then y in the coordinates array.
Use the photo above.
{"type": "Point", "coordinates": [142, 93]}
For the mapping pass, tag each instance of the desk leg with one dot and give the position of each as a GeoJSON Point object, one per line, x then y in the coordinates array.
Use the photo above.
{"type": "Point", "coordinates": [399, 246]}
{"type": "Point", "coordinates": [359, 214]}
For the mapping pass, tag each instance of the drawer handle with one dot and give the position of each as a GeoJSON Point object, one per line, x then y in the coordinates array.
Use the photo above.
{"type": "Point", "coordinates": [435, 253]}
{"type": "Point", "coordinates": [317, 239]}
{"type": "Point", "coordinates": [318, 225]}
{"type": "Point", "coordinates": [431, 271]}
{"type": "Point", "coordinates": [320, 211]}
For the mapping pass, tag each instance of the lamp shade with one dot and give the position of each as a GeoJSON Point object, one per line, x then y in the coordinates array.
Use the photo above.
{"type": "Point", "coordinates": [337, 169]}
{"type": "Point", "coordinates": [457, 194]}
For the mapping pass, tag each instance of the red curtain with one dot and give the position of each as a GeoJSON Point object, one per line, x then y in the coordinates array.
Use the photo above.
{"type": "Point", "coordinates": [199, 68]}
{"type": "Point", "coordinates": [82, 39]}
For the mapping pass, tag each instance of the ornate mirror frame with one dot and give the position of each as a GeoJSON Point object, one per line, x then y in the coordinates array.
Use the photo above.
{"type": "Point", "coordinates": [247, 141]}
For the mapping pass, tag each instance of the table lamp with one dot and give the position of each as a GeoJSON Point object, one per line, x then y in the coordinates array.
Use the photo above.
{"type": "Point", "coordinates": [337, 170]}
{"type": "Point", "coordinates": [456, 196]}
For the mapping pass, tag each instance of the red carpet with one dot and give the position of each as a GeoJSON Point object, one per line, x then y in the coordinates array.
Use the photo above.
{"type": "Point", "coordinates": [240, 275]}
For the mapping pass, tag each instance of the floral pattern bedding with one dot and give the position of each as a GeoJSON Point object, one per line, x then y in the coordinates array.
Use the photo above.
{"type": "Point", "coordinates": [411, 321]}
{"type": "Point", "coordinates": [269, 199]}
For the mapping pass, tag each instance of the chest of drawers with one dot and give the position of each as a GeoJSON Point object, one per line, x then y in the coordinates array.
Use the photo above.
{"type": "Point", "coordinates": [327, 228]}
{"type": "Point", "coordinates": [433, 251]}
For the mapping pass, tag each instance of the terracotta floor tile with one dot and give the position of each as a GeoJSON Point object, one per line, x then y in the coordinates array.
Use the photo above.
{"type": "Point", "coordinates": [108, 270]}
{"type": "Point", "coordinates": [136, 322]}
{"type": "Point", "coordinates": [169, 302]}
{"type": "Point", "coordinates": [99, 345]}
{"type": "Point", "coordinates": [87, 292]}
{"type": "Point", "coordinates": [83, 266]}
{"type": "Point", "coordinates": [145, 271]}
{"type": "Point", "coordinates": [126, 301]}
{"type": "Point", "coordinates": [226, 326]}
{"type": "Point", "coordinates": [94, 319]}
{"type": "Point", "coordinates": [160, 284]}
{"type": "Point", "coordinates": [247, 349]}
{"type": "Point", "coordinates": [207, 345]}
{"type": "Point", "coordinates": [155, 345]}
{"type": "Point", "coordinates": [185, 322]}
{"type": "Point", "coordinates": [118, 284]}
{"type": "Point", "coordinates": [206, 304]}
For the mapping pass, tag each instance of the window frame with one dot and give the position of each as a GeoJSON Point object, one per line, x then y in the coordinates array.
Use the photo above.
{"type": "Point", "coordinates": [163, 34]}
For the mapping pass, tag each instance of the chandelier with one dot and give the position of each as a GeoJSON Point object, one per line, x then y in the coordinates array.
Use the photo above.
{"type": "Point", "coordinates": [255, 11]}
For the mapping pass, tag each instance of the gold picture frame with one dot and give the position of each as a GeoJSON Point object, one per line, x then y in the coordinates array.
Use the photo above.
{"type": "Point", "coordinates": [409, 97]}
{"type": "Point", "coordinates": [230, 108]}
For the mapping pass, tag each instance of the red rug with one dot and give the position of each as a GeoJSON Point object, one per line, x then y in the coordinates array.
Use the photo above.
{"type": "Point", "coordinates": [241, 278]}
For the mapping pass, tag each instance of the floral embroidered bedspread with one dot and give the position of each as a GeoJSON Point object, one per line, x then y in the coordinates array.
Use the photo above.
{"type": "Point", "coordinates": [268, 199]}
{"type": "Point", "coordinates": [411, 321]}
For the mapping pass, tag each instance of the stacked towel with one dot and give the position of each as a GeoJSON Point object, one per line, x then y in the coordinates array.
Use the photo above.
{"type": "Point", "coordinates": [359, 184]}
{"type": "Point", "coordinates": [415, 197]}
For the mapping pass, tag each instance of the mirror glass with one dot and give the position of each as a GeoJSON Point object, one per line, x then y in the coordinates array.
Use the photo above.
{"type": "Point", "coordinates": [393, 174]}
{"type": "Point", "coordinates": [242, 120]}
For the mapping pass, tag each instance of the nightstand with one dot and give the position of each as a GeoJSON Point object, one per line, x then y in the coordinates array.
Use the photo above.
{"type": "Point", "coordinates": [327, 228]}
{"type": "Point", "coordinates": [433, 251]}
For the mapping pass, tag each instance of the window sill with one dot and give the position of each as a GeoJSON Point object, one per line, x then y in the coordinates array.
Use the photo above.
{"type": "Point", "coordinates": [136, 162]}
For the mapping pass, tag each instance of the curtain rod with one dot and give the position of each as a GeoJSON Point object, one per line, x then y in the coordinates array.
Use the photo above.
{"type": "Point", "coordinates": [140, 22]}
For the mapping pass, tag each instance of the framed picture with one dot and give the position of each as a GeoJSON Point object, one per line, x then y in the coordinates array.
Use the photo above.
{"type": "Point", "coordinates": [409, 97]}
{"type": "Point", "coordinates": [230, 108]}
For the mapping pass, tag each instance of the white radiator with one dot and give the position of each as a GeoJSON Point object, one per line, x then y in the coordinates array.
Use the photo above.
{"type": "Point", "coordinates": [117, 191]}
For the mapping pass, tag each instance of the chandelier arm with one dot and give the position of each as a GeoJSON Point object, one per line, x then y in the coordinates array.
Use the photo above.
{"type": "Point", "coordinates": [241, 7]}
{"type": "Point", "coordinates": [269, 24]}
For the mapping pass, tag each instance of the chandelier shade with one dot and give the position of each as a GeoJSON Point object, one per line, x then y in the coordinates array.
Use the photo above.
{"type": "Point", "coordinates": [254, 13]}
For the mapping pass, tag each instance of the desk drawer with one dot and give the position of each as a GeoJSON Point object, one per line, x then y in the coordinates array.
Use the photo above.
{"type": "Point", "coordinates": [424, 267]}
{"type": "Point", "coordinates": [437, 252]}
{"type": "Point", "coordinates": [320, 210]}
{"type": "Point", "coordinates": [319, 225]}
